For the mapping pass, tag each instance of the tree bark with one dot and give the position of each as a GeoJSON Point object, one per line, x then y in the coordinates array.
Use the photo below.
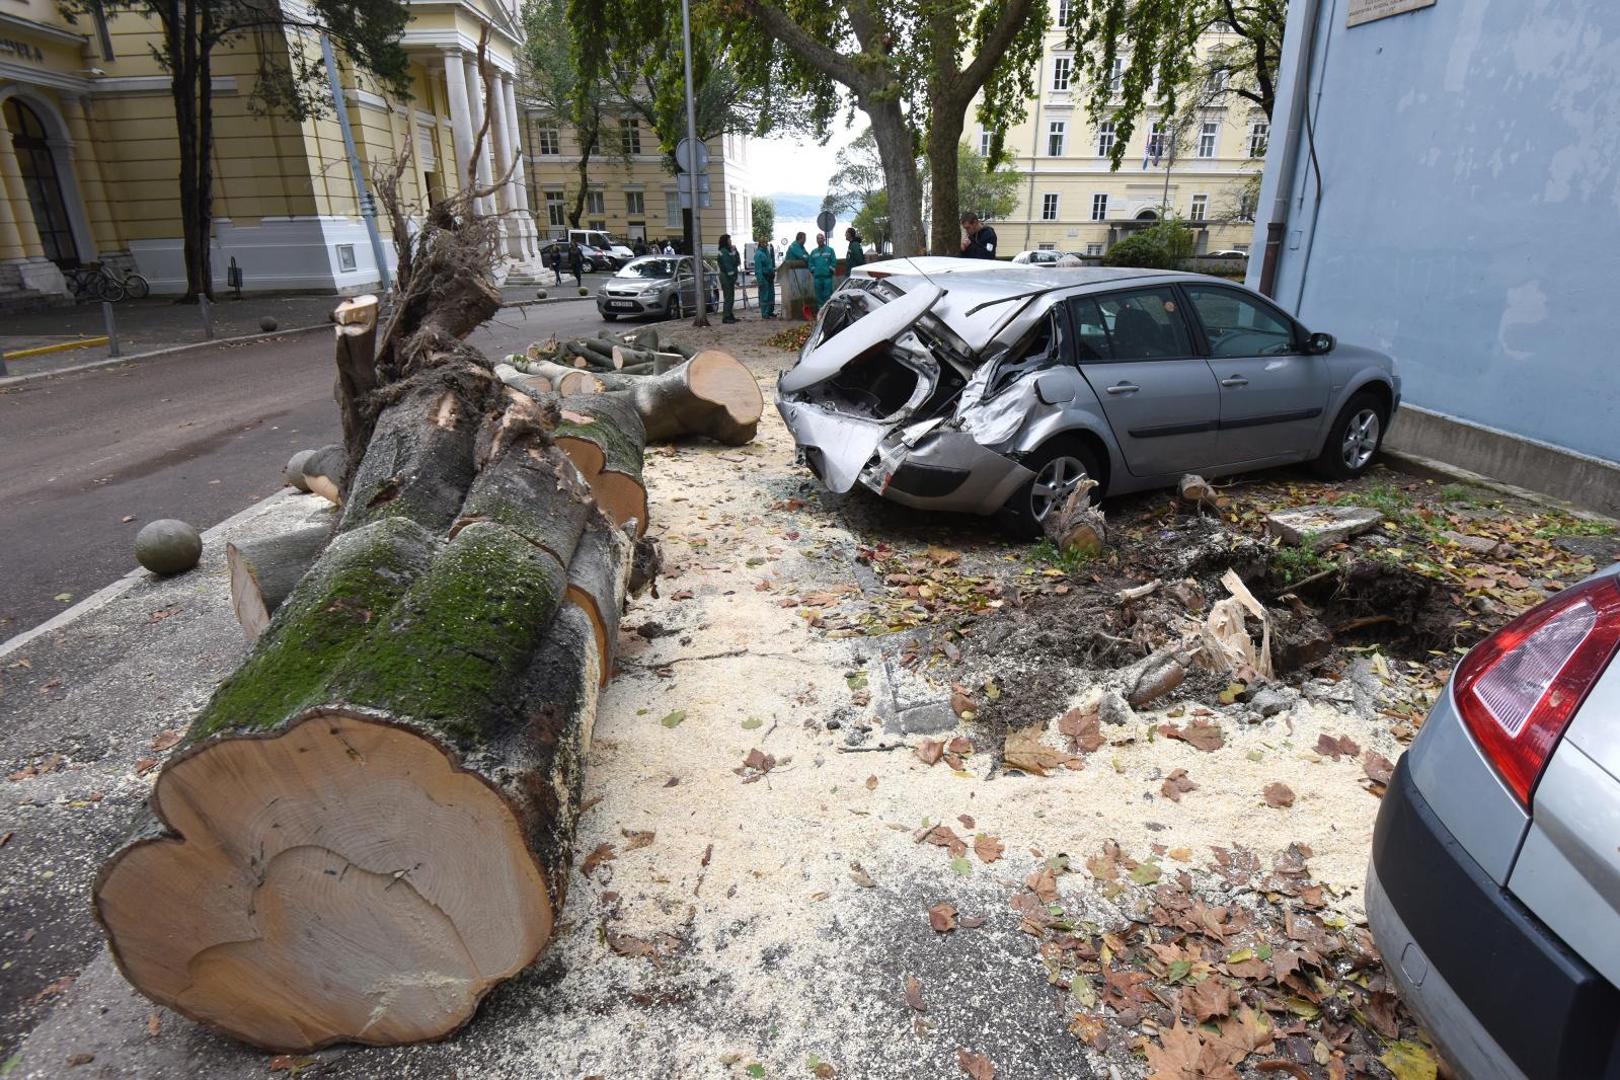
{"type": "Point", "coordinates": [264, 572]}
{"type": "Point", "coordinates": [603, 435]}
{"type": "Point", "coordinates": [356, 377]}
{"type": "Point", "coordinates": [898, 152]}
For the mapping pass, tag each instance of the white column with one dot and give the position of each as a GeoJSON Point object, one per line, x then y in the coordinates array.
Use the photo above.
{"type": "Point", "coordinates": [520, 187]}
{"type": "Point", "coordinates": [455, 84]}
{"type": "Point", "coordinates": [475, 103]}
{"type": "Point", "coordinates": [504, 196]}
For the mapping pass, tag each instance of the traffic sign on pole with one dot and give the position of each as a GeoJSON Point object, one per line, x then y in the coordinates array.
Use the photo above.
{"type": "Point", "coordinates": [683, 154]}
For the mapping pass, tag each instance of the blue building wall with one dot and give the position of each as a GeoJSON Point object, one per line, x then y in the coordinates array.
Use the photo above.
{"type": "Point", "coordinates": [1469, 213]}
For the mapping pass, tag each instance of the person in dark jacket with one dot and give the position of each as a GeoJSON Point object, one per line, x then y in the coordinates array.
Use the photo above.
{"type": "Point", "coordinates": [981, 238]}
{"type": "Point", "coordinates": [576, 264]}
{"type": "Point", "coordinates": [557, 263]}
{"type": "Point", "coordinates": [729, 260]}
{"type": "Point", "coordinates": [857, 254]}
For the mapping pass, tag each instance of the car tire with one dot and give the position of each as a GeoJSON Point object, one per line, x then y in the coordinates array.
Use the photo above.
{"type": "Point", "coordinates": [672, 310]}
{"type": "Point", "coordinates": [1054, 460]}
{"type": "Point", "coordinates": [1355, 437]}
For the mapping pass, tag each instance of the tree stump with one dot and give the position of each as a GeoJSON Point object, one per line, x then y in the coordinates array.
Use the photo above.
{"type": "Point", "coordinates": [264, 572]}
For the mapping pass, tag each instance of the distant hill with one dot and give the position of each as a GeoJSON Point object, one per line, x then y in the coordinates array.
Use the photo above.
{"type": "Point", "coordinates": [796, 207]}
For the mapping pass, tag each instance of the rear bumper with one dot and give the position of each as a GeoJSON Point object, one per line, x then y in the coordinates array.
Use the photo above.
{"type": "Point", "coordinates": [1503, 996]}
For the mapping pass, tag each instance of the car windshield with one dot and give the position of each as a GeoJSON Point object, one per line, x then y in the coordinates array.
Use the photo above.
{"type": "Point", "coordinates": [648, 268]}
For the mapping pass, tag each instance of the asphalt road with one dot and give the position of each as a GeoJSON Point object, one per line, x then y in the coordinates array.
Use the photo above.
{"type": "Point", "coordinates": [196, 436]}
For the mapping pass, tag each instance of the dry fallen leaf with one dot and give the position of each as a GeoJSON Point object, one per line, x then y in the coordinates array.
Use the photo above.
{"type": "Point", "coordinates": [637, 840]}
{"type": "Point", "coordinates": [1199, 734]}
{"type": "Point", "coordinates": [154, 1024]}
{"type": "Point", "coordinates": [1024, 750]}
{"type": "Point", "coordinates": [1328, 746]}
{"type": "Point", "coordinates": [1279, 795]}
{"type": "Point", "coordinates": [942, 917]}
{"type": "Point", "coordinates": [165, 739]}
{"type": "Point", "coordinates": [871, 783]}
{"type": "Point", "coordinates": [1176, 785]}
{"type": "Point", "coordinates": [602, 854]}
{"type": "Point", "coordinates": [944, 836]}
{"type": "Point", "coordinates": [1083, 728]}
{"type": "Point", "coordinates": [1379, 769]}
{"type": "Point", "coordinates": [1207, 1000]}
{"type": "Point", "coordinates": [929, 751]}
{"type": "Point", "coordinates": [914, 996]}
{"type": "Point", "coordinates": [987, 848]}
{"type": "Point", "coordinates": [977, 1066]}
{"type": "Point", "coordinates": [859, 875]}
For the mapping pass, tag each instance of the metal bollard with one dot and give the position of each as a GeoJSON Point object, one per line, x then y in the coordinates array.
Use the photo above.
{"type": "Point", "coordinates": [207, 316]}
{"type": "Point", "coordinates": [111, 324]}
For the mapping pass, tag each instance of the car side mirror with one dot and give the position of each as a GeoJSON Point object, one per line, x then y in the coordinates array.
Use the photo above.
{"type": "Point", "coordinates": [1054, 389]}
{"type": "Point", "coordinates": [1319, 344]}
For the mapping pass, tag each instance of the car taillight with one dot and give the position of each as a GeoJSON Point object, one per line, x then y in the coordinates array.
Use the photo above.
{"type": "Point", "coordinates": [1518, 689]}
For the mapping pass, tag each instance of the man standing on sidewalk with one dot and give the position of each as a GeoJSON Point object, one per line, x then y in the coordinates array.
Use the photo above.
{"type": "Point", "coordinates": [730, 263]}
{"type": "Point", "coordinates": [765, 274]}
{"type": "Point", "coordinates": [981, 238]}
{"type": "Point", "coordinates": [823, 269]}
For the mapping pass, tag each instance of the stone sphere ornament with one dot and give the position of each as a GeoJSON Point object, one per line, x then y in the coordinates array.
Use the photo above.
{"type": "Point", "coordinates": [168, 546]}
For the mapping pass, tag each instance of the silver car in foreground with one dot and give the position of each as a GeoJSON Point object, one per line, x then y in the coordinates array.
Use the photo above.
{"type": "Point", "coordinates": [1494, 889]}
{"type": "Point", "coordinates": [949, 384]}
{"type": "Point", "coordinates": [661, 285]}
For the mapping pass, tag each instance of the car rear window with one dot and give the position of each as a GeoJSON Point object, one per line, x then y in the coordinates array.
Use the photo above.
{"type": "Point", "coordinates": [1139, 325]}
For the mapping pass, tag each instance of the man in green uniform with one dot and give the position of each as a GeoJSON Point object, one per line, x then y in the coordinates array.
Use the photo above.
{"type": "Point", "coordinates": [796, 250]}
{"type": "Point", "coordinates": [823, 267]}
{"type": "Point", "coordinates": [729, 263]}
{"type": "Point", "coordinates": [765, 274]}
{"type": "Point", "coordinates": [857, 254]}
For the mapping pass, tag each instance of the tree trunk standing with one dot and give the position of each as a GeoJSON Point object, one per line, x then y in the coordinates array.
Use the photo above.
{"type": "Point", "coordinates": [589, 135]}
{"type": "Point", "coordinates": [945, 228]}
{"type": "Point", "coordinates": [205, 154]}
{"type": "Point", "coordinates": [180, 38]}
{"type": "Point", "coordinates": [898, 152]}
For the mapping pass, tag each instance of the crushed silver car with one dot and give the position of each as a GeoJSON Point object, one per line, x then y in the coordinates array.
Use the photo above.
{"type": "Point", "coordinates": [944, 384]}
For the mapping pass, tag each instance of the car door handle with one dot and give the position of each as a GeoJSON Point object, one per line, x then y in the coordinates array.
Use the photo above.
{"type": "Point", "coordinates": [1235, 380]}
{"type": "Point", "coordinates": [1123, 388]}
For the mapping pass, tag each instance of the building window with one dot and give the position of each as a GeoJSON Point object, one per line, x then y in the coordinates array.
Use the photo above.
{"type": "Point", "coordinates": [345, 254]}
{"type": "Point", "coordinates": [1246, 205]}
{"type": "Point", "coordinates": [1065, 12]}
{"type": "Point", "coordinates": [984, 143]}
{"type": "Point", "coordinates": [672, 210]}
{"type": "Point", "coordinates": [1094, 249]}
{"type": "Point", "coordinates": [555, 217]}
{"type": "Point", "coordinates": [1105, 139]}
{"type": "Point", "coordinates": [1206, 139]}
{"type": "Point", "coordinates": [630, 137]}
{"type": "Point", "coordinates": [548, 140]}
{"type": "Point", "coordinates": [1200, 208]}
{"type": "Point", "coordinates": [595, 203]}
{"type": "Point", "coordinates": [1049, 205]}
{"type": "Point", "coordinates": [635, 203]}
{"type": "Point", "coordinates": [1116, 76]}
{"type": "Point", "coordinates": [598, 224]}
{"type": "Point", "coordinates": [1062, 68]}
{"type": "Point", "coordinates": [1157, 142]}
{"type": "Point", "coordinates": [1259, 132]}
{"type": "Point", "coordinates": [1241, 247]}
{"type": "Point", "coordinates": [1219, 80]}
{"type": "Point", "coordinates": [1099, 207]}
{"type": "Point", "coordinates": [1054, 138]}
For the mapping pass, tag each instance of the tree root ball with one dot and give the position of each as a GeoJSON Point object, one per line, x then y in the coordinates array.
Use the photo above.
{"type": "Point", "coordinates": [540, 294]}
{"type": "Point", "coordinates": [267, 324]}
{"type": "Point", "coordinates": [293, 474]}
{"type": "Point", "coordinates": [168, 546]}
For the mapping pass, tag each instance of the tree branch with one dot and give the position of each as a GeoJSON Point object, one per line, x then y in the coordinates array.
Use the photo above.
{"type": "Point", "coordinates": [973, 77]}
{"type": "Point", "coordinates": [835, 65]}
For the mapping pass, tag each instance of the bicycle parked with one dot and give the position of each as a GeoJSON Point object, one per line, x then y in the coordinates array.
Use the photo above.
{"type": "Point", "coordinates": [94, 282]}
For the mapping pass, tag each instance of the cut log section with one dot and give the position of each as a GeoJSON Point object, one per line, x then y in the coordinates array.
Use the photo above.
{"type": "Point", "coordinates": [602, 435]}
{"type": "Point", "coordinates": [545, 377]}
{"type": "Point", "coordinates": [323, 472]}
{"type": "Point", "coordinates": [371, 824]}
{"type": "Point", "coordinates": [356, 332]}
{"type": "Point", "coordinates": [598, 578]}
{"type": "Point", "coordinates": [264, 572]}
{"type": "Point", "coordinates": [711, 394]}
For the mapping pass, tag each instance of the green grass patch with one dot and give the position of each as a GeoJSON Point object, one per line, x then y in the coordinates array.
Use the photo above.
{"type": "Point", "coordinates": [1068, 561]}
{"type": "Point", "coordinates": [1299, 563]}
{"type": "Point", "coordinates": [1568, 525]}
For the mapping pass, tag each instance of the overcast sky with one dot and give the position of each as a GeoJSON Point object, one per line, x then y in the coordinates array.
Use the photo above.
{"type": "Point", "coordinates": [789, 166]}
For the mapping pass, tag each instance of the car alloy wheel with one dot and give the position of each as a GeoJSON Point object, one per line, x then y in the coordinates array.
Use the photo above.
{"type": "Point", "coordinates": [1360, 439]}
{"type": "Point", "coordinates": [1054, 484]}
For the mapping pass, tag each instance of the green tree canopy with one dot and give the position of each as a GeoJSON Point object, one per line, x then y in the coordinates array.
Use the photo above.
{"type": "Point", "coordinates": [764, 216]}
{"type": "Point", "coordinates": [1155, 44]}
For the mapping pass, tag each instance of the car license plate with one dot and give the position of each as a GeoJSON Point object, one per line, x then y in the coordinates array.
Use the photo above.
{"type": "Point", "coordinates": [621, 304]}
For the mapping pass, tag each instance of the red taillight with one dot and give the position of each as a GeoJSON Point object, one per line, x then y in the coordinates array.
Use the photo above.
{"type": "Point", "coordinates": [1519, 687]}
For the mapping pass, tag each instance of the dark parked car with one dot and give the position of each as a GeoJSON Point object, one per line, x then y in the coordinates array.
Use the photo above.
{"type": "Point", "coordinates": [661, 285]}
{"type": "Point", "coordinates": [593, 259]}
{"type": "Point", "coordinates": [1494, 890]}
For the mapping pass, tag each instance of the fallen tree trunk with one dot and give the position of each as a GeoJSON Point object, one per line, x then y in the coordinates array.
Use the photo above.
{"type": "Point", "coordinates": [543, 376]}
{"type": "Point", "coordinates": [263, 572]}
{"type": "Point", "coordinates": [626, 357]}
{"type": "Point", "coordinates": [371, 822]}
{"type": "Point", "coordinates": [711, 394]}
{"type": "Point", "coordinates": [356, 332]}
{"type": "Point", "coordinates": [603, 436]}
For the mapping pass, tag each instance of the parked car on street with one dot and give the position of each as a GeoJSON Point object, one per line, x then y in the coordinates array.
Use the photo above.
{"type": "Point", "coordinates": [611, 246]}
{"type": "Point", "coordinates": [661, 285]}
{"type": "Point", "coordinates": [1494, 889]}
{"type": "Point", "coordinates": [945, 384]}
{"type": "Point", "coordinates": [1040, 257]}
{"type": "Point", "coordinates": [593, 259]}
{"type": "Point", "coordinates": [1227, 253]}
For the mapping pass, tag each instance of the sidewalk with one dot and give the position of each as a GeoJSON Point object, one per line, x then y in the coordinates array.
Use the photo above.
{"type": "Point", "coordinates": [157, 322]}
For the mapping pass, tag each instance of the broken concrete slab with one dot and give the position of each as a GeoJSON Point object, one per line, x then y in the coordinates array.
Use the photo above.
{"type": "Point", "coordinates": [907, 704]}
{"type": "Point", "coordinates": [1477, 545]}
{"type": "Point", "coordinates": [1319, 527]}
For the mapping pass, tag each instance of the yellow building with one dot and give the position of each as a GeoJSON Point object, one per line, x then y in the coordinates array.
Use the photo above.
{"type": "Point", "coordinates": [89, 165]}
{"type": "Point", "coordinates": [631, 192]}
{"type": "Point", "coordinates": [1069, 198]}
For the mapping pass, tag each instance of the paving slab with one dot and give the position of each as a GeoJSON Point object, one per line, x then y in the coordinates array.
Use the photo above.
{"type": "Point", "coordinates": [1320, 527]}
